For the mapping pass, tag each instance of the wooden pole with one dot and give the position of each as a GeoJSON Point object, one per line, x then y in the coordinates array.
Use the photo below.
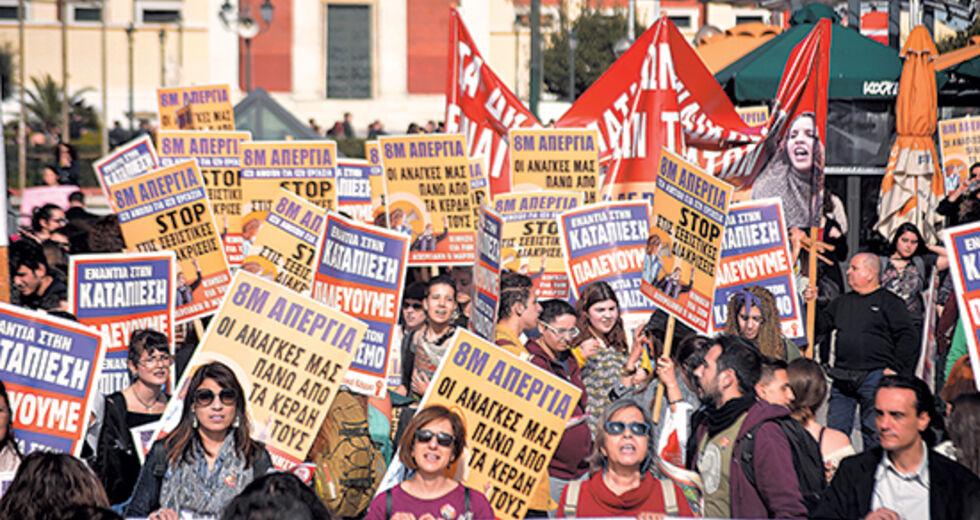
{"type": "Point", "coordinates": [658, 401]}
{"type": "Point", "coordinates": [811, 305]}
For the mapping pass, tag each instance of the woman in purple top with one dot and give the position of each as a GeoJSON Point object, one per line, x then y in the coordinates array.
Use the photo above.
{"type": "Point", "coordinates": [432, 441]}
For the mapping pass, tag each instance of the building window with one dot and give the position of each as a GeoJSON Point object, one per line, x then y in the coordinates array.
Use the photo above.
{"type": "Point", "coordinates": [348, 51]}
{"type": "Point", "coordinates": [87, 14]}
{"type": "Point", "coordinates": [739, 20]}
{"type": "Point", "coordinates": [682, 22]}
{"type": "Point", "coordinates": [159, 11]}
{"type": "Point", "coordinates": [8, 10]}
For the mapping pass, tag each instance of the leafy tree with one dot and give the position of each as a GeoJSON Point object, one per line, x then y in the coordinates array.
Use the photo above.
{"type": "Point", "coordinates": [44, 102]}
{"type": "Point", "coordinates": [597, 35]}
{"type": "Point", "coordinates": [961, 39]}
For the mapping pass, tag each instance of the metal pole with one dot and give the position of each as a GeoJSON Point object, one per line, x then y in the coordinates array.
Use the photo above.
{"type": "Point", "coordinates": [248, 65]}
{"type": "Point", "coordinates": [131, 115]}
{"type": "Point", "coordinates": [163, 57]}
{"type": "Point", "coordinates": [571, 66]}
{"type": "Point", "coordinates": [22, 124]}
{"type": "Point", "coordinates": [631, 21]}
{"type": "Point", "coordinates": [894, 29]}
{"type": "Point", "coordinates": [105, 86]}
{"type": "Point", "coordinates": [180, 50]}
{"type": "Point", "coordinates": [535, 56]}
{"type": "Point", "coordinates": [65, 135]}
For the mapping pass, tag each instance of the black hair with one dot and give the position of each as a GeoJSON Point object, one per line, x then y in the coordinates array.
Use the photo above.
{"type": "Point", "coordinates": [27, 252]}
{"type": "Point", "coordinates": [740, 355]}
{"type": "Point", "coordinates": [908, 227]}
{"type": "Point", "coordinates": [443, 280]}
{"type": "Point", "coordinates": [552, 309]}
{"type": "Point", "coordinates": [76, 196]}
{"type": "Point", "coordinates": [146, 340]}
{"type": "Point", "coordinates": [275, 496]}
{"type": "Point", "coordinates": [514, 288]}
{"type": "Point", "coordinates": [769, 368]}
{"type": "Point", "coordinates": [42, 213]}
{"type": "Point", "coordinates": [690, 352]}
{"type": "Point", "coordinates": [924, 403]}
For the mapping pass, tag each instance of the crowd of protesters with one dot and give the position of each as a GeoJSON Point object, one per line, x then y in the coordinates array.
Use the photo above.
{"type": "Point", "coordinates": [752, 424]}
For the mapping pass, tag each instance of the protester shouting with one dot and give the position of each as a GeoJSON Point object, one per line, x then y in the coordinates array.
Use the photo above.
{"type": "Point", "coordinates": [432, 443]}
{"type": "Point", "coordinates": [208, 458]}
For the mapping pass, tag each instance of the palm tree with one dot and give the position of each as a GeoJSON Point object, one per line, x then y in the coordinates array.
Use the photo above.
{"type": "Point", "coordinates": [45, 101]}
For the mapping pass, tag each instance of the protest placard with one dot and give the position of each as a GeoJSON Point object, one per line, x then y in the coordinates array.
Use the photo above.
{"type": "Point", "coordinates": [479, 185]}
{"type": "Point", "coordinates": [37, 196]}
{"type": "Point", "coordinates": [515, 414]}
{"type": "Point", "coordinates": [755, 251]}
{"type": "Point", "coordinates": [486, 273]}
{"type": "Point", "coordinates": [168, 209]}
{"type": "Point", "coordinates": [305, 168]}
{"type": "Point", "coordinates": [206, 107]}
{"type": "Point", "coordinates": [219, 157]}
{"type": "Point", "coordinates": [555, 159]}
{"type": "Point", "coordinates": [755, 115]}
{"type": "Point", "coordinates": [959, 144]}
{"type": "Point", "coordinates": [289, 353]}
{"type": "Point", "coordinates": [373, 154]}
{"type": "Point", "coordinates": [608, 242]}
{"type": "Point", "coordinates": [963, 248]}
{"type": "Point", "coordinates": [530, 243]}
{"type": "Point", "coordinates": [429, 197]}
{"type": "Point", "coordinates": [50, 367]}
{"type": "Point", "coordinates": [361, 272]}
{"type": "Point", "coordinates": [117, 294]}
{"type": "Point", "coordinates": [125, 163]}
{"type": "Point", "coordinates": [285, 245]}
{"type": "Point", "coordinates": [689, 222]}
{"type": "Point", "coordinates": [360, 190]}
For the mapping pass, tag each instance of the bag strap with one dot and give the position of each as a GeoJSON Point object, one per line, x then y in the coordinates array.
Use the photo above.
{"type": "Point", "coordinates": [571, 497]}
{"type": "Point", "coordinates": [670, 498]}
{"type": "Point", "coordinates": [388, 503]}
{"type": "Point", "coordinates": [466, 500]}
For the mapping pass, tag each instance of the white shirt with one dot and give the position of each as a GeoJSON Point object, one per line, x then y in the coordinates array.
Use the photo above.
{"type": "Point", "coordinates": [905, 493]}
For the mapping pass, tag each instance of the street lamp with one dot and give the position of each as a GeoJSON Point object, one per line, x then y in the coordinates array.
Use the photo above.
{"type": "Point", "coordinates": [247, 27]}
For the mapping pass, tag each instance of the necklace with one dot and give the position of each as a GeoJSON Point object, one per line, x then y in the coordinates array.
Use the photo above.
{"type": "Point", "coordinates": [148, 407]}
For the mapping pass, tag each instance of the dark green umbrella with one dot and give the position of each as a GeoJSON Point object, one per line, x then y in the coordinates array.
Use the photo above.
{"type": "Point", "coordinates": [860, 68]}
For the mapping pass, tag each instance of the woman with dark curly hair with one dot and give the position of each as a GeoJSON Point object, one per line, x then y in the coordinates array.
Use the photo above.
{"type": "Point", "coordinates": [47, 484]}
{"type": "Point", "coordinates": [752, 314]}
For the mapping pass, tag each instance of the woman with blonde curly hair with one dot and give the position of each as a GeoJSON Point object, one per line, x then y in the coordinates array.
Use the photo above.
{"type": "Point", "coordinates": [752, 314]}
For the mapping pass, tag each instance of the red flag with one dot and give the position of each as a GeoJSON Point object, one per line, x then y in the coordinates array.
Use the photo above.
{"type": "Point", "coordinates": [479, 105]}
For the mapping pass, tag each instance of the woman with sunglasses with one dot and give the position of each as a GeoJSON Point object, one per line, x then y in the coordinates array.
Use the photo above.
{"type": "Point", "coordinates": [621, 484]}
{"type": "Point", "coordinates": [117, 464]}
{"type": "Point", "coordinates": [207, 459]}
{"type": "Point", "coordinates": [752, 314]}
{"type": "Point", "coordinates": [433, 440]}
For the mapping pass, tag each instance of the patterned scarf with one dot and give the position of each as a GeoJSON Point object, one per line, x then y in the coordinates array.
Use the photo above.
{"type": "Point", "coordinates": [191, 487]}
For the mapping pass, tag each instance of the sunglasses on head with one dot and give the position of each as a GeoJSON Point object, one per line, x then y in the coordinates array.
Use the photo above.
{"type": "Point", "coordinates": [444, 439]}
{"type": "Point", "coordinates": [640, 429]}
{"type": "Point", "coordinates": [204, 397]}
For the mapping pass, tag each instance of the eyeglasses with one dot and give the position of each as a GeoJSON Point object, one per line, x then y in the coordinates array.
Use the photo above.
{"type": "Point", "coordinates": [758, 319]}
{"type": "Point", "coordinates": [640, 429]}
{"type": "Point", "coordinates": [204, 397]}
{"type": "Point", "coordinates": [413, 305]}
{"type": "Point", "coordinates": [161, 360]}
{"type": "Point", "coordinates": [444, 439]}
{"type": "Point", "coordinates": [571, 333]}
{"type": "Point", "coordinates": [60, 221]}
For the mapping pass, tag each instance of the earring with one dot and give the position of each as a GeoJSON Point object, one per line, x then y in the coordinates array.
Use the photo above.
{"type": "Point", "coordinates": [194, 422]}
{"type": "Point", "coordinates": [237, 422]}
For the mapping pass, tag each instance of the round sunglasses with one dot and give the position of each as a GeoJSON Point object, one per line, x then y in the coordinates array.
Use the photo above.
{"type": "Point", "coordinates": [204, 397]}
{"type": "Point", "coordinates": [640, 429]}
{"type": "Point", "coordinates": [443, 439]}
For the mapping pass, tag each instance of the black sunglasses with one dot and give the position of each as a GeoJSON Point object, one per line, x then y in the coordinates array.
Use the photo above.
{"type": "Point", "coordinates": [204, 397]}
{"type": "Point", "coordinates": [413, 305]}
{"type": "Point", "coordinates": [640, 429]}
{"type": "Point", "coordinates": [444, 439]}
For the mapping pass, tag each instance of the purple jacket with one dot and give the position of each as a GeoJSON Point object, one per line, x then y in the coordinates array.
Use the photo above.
{"type": "Point", "coordinates": [778, 494]}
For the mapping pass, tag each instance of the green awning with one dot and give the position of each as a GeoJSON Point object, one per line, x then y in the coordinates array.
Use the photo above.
{"type": "Point", "coordinates": [969, 69]}
{"type": "Point", "coordinates": [860, 68]}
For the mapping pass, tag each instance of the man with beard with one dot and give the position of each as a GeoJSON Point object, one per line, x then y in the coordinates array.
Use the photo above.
{"type": "Point", "coordinates": [727, 380]}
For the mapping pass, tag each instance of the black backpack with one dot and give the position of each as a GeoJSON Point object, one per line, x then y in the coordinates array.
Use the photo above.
{"type": "Point", "coordinates": [807, 460]}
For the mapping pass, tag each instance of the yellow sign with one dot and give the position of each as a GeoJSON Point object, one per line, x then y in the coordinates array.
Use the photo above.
{"type": "Point", "coordinates": [168, 209]}
{"type": "Point", "coordinates": [305, 168]}
{"type": "Point", "coordinates": [756, 115]}
{"type": "Point", "coordinates": [555, 159]}
{"type": "Point", "coordinates": [515, 414]}
{"type": "Point", "coordinates": [531, 243]}
{"type": "Point", "coordinates": [379, 210]}
{"type": "Point", "coordinates": [429, 197]}
{"type": "Point", "coordinates": [688, 227]}
{"type": "Point", "coordinates": [219, 156]}
{"type": "Point", "coordinates": [360, 190]}
{"type": "Point", "coordinates": [205, 107]}
{"type": "Point", "coordinates": [290, 354]}
{"type": "Point", "coordinates": [285, 246]}
{"type": "Point", "coordinates": [959, 142]}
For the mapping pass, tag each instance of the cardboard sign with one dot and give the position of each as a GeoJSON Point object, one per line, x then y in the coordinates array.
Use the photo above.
{"type": "Point", "coordinates": [219, 156]}
{"type": "Point", "coordinates": [479, 186]}
{"type": "Point", "coordinates": [555, 159]}
{"type": "Point", "coordinates": [285, 246]}
{"type": "Point", "coordinates": [380, 198]}
{"type": "Point", "coordinates": [360, 190]}
{"type": "Point", "coordinates": [689, 221]}
{"type": "Point", "coordinates": [959, 143]}
{"type": "Point", "coordinates": [755, 251]}
{"type": "Point", "coordinates": [305, 168]}
{"type": "Point", "coordinates": [50, 367]}
{"type": "Point", "coordinates": [289, 353]}
{"type": "Point", "coordinates": [963, 247]}
{"type": "Point", "coordinates": [126, 162]}
{"type": "Point", "coordinates": [205, 107]}
{"type": "Point", "coordinates": [117, 294]}
{"type": "Point", "coordinates": [515, 413]}
{"type": "Point", "coordinates": [169, 209]}
{"type": "Point", "coordinates": [486, 273]}
{"type": "Point", "coordinates": [530, 243]}
{"type": "Point", "coordinates": [361, 272]}
{"type": "Point", "coordinates": [608, 242]}
{"type": "Point", "coordinates": [429, 197]}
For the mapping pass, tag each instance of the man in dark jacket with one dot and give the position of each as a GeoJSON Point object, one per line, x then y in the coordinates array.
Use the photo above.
{"type": "Point", "coordinates": [727, 379]}
{"type": "Point", "coordinates": [902, 478]}
{"type": "Point", "coordinates": [873, 337]}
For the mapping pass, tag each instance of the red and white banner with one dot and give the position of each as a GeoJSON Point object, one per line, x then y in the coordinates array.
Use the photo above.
{"type": "Point", "coordinates": [479, 105]}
